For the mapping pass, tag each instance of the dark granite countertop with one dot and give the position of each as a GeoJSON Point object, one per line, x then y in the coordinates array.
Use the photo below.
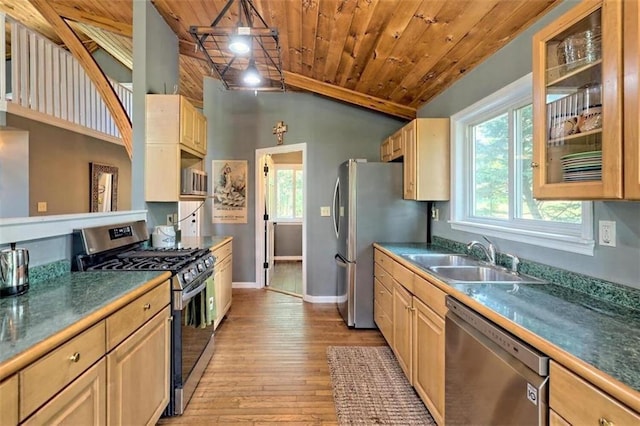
{"type": "Point", "coordinates": [57, 303]}
{"type": "Point", "coordinates": [601, 333]}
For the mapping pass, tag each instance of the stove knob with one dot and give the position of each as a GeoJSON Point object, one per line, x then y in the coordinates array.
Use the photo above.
{"type": "Point", "coordinates": [200, 267]}
{"type": "Point", "coordinates": [186, 276]}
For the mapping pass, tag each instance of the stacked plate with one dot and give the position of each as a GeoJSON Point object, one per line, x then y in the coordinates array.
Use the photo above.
{"type": "Point", "coordinates": [582, 166]}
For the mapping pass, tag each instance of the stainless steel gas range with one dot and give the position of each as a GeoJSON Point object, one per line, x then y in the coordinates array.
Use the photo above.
{"type": "Point", "coordinates": [122, 247]}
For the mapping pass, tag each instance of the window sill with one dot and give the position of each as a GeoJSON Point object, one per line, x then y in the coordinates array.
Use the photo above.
{"type": "Point", "coordinates": [572, 244]}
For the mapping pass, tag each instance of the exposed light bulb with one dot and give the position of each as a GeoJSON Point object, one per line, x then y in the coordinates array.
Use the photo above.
{"type": "Point", "coordinates": [240, 44]}
{"type": "Point", "coordinates": [251, 76]}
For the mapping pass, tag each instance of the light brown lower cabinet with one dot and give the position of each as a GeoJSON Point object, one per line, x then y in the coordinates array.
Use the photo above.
{"type": "Point", "coordinates": [114, 372]}
{"type": "Point", "coordinates": [428, 358]}
{"type": "Point", "coordinates": [139, 374]}
{"type": "Point", "coordinates": [556, 420]}
{"type": "Point", "coordinates": [9, 401]}
{"type": "Point", "coordinates": [595, 407]}
{"type": "Point", "coordinates": [402, 329]}
{"type": "Point", "coordinates": [223, 280]}
{"type": "Point", "coordinates": [83, 402]}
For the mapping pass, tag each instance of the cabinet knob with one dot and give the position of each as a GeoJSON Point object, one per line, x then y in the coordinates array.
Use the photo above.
{"type": "Point", "coordinates": [76, 357]}
{"type": "Point", "coordinates": [605, 422]}
{"type": "Point", "coordinates": [534, 164]}
{"type": "Point", "coordinates": [146, 306]}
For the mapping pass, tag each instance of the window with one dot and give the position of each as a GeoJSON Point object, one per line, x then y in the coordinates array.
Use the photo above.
{"type": "Point", "coordinates": [287, 195]}
{"type": "Point", "coordinates": [493, 193]}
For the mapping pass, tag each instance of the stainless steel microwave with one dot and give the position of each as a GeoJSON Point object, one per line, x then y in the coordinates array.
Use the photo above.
{"type": "Point", "coordinates": [194, 182]}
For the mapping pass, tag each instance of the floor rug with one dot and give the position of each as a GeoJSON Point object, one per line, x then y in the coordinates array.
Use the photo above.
{"type": "Point", "coordinates": [370, 388]}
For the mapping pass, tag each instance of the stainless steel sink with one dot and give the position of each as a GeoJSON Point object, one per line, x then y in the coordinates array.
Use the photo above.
{"type": "Point", "coordinates": [427, 260]}
{"type": "Point", "coordinates": [481, 273]}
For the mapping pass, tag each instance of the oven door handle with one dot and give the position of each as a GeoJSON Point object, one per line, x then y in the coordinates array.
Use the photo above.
{"type": "Point", "coordinates": [190, 294]}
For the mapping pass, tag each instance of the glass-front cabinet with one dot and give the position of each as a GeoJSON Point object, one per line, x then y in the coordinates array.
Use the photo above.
{"type": "Point", "coordinates": [577, 99]}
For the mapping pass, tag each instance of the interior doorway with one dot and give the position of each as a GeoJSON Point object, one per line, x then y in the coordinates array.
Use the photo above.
{"type": "Point", "coordinates": [281, 219]}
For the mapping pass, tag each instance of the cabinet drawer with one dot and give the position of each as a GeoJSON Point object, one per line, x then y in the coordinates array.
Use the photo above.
{"type": "Point", "coordinates": [83, 402]}
{"type": "Point", "coordinates": [9, 401]}
{"type": "Point", "coordinates": [47, 376]}
{"type": "Point", "coordinates": [221, 252]}
{"type": "Point", "coordinates": [128, 319]}
{"type": "Point", "coordinates": [383, 276]}
{"type": "Point", "coordinates": [403, 276]}
{"type": "Point", "coordinates": [384, 297]}
{"type": "Point", "coordinates": [430, 295]}
{"type": "Point", "coordinates": [383, 321]}
{"type": "Point", "coordinates": [383, 260]}
{"type": "Point", "coordinates": [596, 407]}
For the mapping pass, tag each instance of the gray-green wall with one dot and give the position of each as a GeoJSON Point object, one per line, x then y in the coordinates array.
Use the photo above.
{"type": "Point", "coordinates": [620, 264]}
{"type": "Point", "coordinates": [241, 122]}
{"type": "Point", "coordinates": [156, 61]}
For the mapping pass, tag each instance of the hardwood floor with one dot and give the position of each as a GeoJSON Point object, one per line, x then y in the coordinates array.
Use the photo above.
{"type": "Point", "coordinates": [270, 363]}
{"type": "Point", "coordinates": [287, 277]}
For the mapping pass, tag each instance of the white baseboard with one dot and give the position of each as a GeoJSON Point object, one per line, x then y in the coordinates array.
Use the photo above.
{"type": "Point", "coordinates": [240, 284]}
{"type": "Point", "coordinates": [320, 299]}
{"type": "Point", "coordinates": [287, 258]}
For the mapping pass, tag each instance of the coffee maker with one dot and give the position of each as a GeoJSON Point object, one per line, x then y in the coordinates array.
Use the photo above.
{"type": "Point", "coordinates": [14, 271]}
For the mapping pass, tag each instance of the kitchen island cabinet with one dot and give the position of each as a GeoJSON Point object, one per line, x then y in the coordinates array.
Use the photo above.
{"type": "Point", "coordinates": [591, 342]}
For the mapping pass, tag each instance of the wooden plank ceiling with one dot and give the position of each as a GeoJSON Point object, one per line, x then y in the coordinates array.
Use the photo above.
{"type": "Point", "coordinates": [392, 56]}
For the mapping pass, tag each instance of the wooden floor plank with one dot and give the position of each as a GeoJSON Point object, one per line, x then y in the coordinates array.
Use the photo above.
{"type": "Point", "coordinates": [270, 364]}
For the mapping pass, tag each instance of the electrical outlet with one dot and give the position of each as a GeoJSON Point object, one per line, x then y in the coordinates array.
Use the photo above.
{"type": "Point", "coordinates": [325, 211]}
{"type": "Point", "coordinates": [175, 218]}
{"type": "Point", "coordinates": [170, 219]}
{"type": "Point", "coordinates": [42, 206]}
{"type": "Point", "coordinates": [435, 214]}
{"type": "Point", "coordinates": [607, 233]}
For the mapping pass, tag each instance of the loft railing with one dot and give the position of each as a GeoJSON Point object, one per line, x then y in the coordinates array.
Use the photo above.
{"type": "Point", "coordinates": [46, 79]}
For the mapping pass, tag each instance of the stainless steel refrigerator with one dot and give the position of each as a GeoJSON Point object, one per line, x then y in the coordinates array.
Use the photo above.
{"type": "Point", "coordinates": [367, 208]}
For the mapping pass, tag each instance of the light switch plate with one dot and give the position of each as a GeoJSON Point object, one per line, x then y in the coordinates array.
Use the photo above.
{"type": "Point", "coordinates": [607, 233]}
{"type": "Point", "coordinates": [325, 211]}
{"type": "Point", "coordinates": [42, 206]}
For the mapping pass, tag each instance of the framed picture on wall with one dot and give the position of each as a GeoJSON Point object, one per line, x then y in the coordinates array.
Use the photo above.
{"type": "Point", "coordinates": [229, 191]}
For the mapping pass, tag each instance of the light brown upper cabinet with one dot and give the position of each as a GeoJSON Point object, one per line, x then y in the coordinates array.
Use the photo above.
{"type": "Point", "coordinates": [426, 159]}
{"type": "Point", "coordinates": [581, 81]}
{"type": "Point", "coordinates": [423, 147]}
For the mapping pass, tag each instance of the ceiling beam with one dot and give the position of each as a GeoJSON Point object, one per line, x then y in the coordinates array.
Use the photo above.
{"type": "Point", "coordinates": [109, 96]}
{"type": "Point", "coordinates": [299, 81]}
{"type": "Point", "coordinates": [73, 14]}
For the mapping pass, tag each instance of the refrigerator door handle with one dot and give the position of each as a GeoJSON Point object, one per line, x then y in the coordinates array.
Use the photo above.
{"type": "Point", "coordinates": [340, 260]}
{"type": "Point", "coordinates": [336, 208]}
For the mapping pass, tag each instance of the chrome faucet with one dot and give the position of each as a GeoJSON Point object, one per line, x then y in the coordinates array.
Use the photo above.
{"type": "Point", "coordinates": [515, 261]}
{"type": "Point", "coordinates": [489, 252]}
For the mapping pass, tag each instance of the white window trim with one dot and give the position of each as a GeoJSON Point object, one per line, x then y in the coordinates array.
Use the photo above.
{"type": "Point", "coordinates": [518, 92]}
{"type": "Point", "coordinates": [284, 166]}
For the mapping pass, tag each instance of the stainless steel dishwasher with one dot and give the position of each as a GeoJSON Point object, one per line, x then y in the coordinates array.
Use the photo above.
{"type": "Point", "coordinates": [491, 377]}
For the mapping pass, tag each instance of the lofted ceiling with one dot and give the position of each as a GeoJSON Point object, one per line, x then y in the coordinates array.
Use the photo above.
{"type": "Point", "coordinates": [392, 56]}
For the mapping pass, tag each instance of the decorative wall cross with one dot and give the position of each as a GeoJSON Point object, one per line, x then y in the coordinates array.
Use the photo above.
{"type": "Point", "coordinates": [279, 130]}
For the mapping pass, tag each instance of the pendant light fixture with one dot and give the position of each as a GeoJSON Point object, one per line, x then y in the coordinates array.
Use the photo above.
{"type": "Point", "coordinates": [244, 56]}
